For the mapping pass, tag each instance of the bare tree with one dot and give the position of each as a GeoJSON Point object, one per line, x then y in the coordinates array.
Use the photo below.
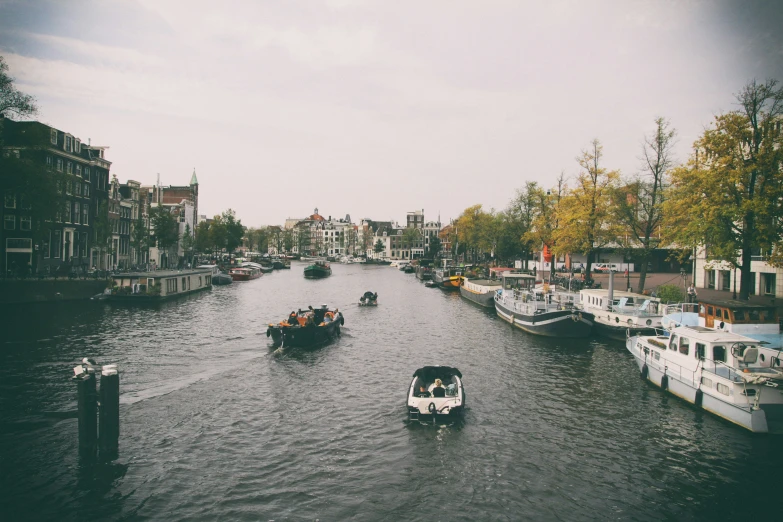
{"type": "Point", "coordinates": [12, 101]}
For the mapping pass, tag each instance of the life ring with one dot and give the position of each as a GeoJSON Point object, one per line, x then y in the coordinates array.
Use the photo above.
{"type": "Point", "coordinates": [645, 370]}
{"type": "Point", "coordinates": [665, 382]}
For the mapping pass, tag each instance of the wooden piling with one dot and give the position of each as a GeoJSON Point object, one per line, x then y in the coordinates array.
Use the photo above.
{"type": "Point", "coordinates": [88, 410]}
{"type": "Point", "coordinates": [110, 410]}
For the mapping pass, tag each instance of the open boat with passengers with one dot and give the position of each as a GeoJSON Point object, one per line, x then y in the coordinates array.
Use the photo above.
{"type": "Point", "coordinates": [436, 391]}
{"type": "Point", "coordinates": [369, 299]}
{"type": "Point", "coordinates": [318, 270]}
{"type": "Point", "coordinates": [725, 373]}
{"type": "Point", "coordinates": [545, 310]}
{"type": "Point", "coordinates": [305, 328]}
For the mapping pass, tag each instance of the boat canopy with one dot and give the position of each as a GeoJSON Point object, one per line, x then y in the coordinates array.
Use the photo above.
{"type": "Point", "coordinates": [430, 373]}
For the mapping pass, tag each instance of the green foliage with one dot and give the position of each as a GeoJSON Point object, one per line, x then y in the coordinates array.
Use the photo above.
{"type": "Point", "coordinates": [140, 236]}
{"type": "Point", "coordinates": [203, 242]}
{"type": "Point", "coordinates": [379, 247]}
{"type": "Point", "coordinates": [234, 230]}
{"type": "Point", "coordinates": [434, 246]}
{"type": "Point", "coordinates": [165, 226]}
{"type": "Point", "coordinates": [12, 101]}
{"type": "Point", "coordinates": [670, 294]}
{"type": "Point", "coordinates": [288, 240]}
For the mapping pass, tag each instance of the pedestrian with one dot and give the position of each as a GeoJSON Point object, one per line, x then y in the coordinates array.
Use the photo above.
{"type": "Point", "coordinates": [692, 295]}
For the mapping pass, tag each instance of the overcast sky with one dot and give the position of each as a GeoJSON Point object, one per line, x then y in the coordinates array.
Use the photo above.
{"type": "Point", "coordinates": [376, 108]}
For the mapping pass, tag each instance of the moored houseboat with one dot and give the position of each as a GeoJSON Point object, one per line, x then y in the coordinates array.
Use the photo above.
{"type": "Point", "coordinates": [424, 273]}
{"type": "Point", "coordinates": [480, 291]}
{"type": "Point", "coordinates": [541, 310]}
{"type": "Point", "coordinates": [159, 285]}
{"type": "Point", "coordinates": [448, 278]}
{"type": "Point", "coordinates": [318, 270]}
{"type": "Point", "coordinates": [727, 374]}
{"type": "Point", "coordinates": [218, 277]}
{"type": "Point", "coordinates": [244, 273]}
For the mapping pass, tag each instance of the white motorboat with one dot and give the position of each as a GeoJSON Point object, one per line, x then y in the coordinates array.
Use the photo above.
{"type": "Point", "coordinates": [436, 401]}
{"type": "Point", "coordinates": [727, 374]}
{"type": "Point", "coordinates": [616, 312]}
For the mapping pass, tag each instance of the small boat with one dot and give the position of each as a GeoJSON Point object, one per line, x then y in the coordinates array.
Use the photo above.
{"type": "Point", "coordinates": [432, 403]}
{"type": "Point", "coordinates": [261, 268]}
{"type": "Point", "coordinates": [218, 277]}
{"type": "Point", "coordinates": [480, 291]}
{"type": "Point", "coordinates": [431, 284]}
{"type": "Point", "coordinates": [615, 312]}
{"type": "Point", "coordinates": [279, 263]}
{"type": "Point", "coordinates": [727, 374]}
{"type": "Point", "coordinates": [448, 278]}
{"type": "Point", "coordinates": [318, 270]}
{"type": "Point", "coordinates": [310, 327]}
{"type": "Point", "coordinates": [369, 299]}
{"type": "Point", "coordinates": [544, 310]}
{"type": "Point", "coordinates": [242, 273]}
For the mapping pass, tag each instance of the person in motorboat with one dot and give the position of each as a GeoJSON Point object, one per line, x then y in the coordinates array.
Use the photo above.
{"type": "Point", "coordinates": [422, 392]}
{"type": "Point", "coordinates": [438, 390]}
{"type": "Point", "coordinates": [292, 319]}
{"type": "Point", "coordinates": [327, 318]}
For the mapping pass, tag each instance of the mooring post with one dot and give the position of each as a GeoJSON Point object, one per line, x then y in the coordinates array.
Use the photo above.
{"type": "Point", "coordinates": [110, 410]}
{"type": "Point", "coordinates": [88, 409]}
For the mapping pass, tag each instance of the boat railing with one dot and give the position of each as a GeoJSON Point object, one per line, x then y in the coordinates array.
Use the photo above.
{"type": "Point", "coordinates": [634, 312]}
{"type": "Point", "coordinates": [722, 369]}
{"type": "Point", "coordinates": [685, 308]}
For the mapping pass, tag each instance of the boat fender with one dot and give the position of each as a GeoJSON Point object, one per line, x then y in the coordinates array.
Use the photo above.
{"type": "Point", "coordinates": [432, 408]}
{"type": "Point", "coordinates": [698, 398]}
{"type": "Point", "coordinates": [268, 332]}
{"type": "Point", "coordinates": [665, 382]}
{"type": "Point", "coordinates": [342, 319]}
{"type": "Point", "coordinates": [644, 371]}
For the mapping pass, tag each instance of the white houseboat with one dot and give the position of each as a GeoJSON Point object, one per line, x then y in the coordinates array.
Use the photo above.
{"type": "Point", "coordinates": [159, 285]}
{"type": "Point", "coordinates": [480, 291]}
{"type": "Point", "coordinates": [724, 373]}
{"type": "Point", "coordinates": [617, 312]}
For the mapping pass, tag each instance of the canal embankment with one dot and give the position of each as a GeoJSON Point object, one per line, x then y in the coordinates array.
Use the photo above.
{"type": "Point", "coordinates": [14, 291]}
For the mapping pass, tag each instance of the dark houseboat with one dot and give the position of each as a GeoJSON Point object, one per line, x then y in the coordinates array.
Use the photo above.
{"type": "Point", "coordinates": [318, 270]}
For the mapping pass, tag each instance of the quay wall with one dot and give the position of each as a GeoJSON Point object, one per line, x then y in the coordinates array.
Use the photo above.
{"type": "Point", "coordinates": [35, 291]}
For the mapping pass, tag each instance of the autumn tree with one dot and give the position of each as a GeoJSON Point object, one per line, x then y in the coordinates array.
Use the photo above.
{"type": "Point", "coordinates": [638, 203]}
{"type": "Point", "coordinates": [584, 220]}
{"type": "Point", "coordinates": [545, 210]}
{"type": "Point", "coordinates": [733, 184]}
{"type": "Point", "coordinates": [517, 222]}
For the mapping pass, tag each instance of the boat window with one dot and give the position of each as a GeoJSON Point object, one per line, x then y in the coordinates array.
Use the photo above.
{"type": "Point", "coordinates": [769, 315]}
{"type": "Point", "coordinates": [726, 316]}
{"type": "Point", "coordinates": [739, 315]}
{"type": "Point", "coordinates": [629, 301]}
{"type": "Point", "coordinates": [657, 356]}
{"type": "Point", "coordinates": [673, 343]}
{"type": "Point", "coordinates": [754, 315]}
{"type": "Point", "coordinates": [700, 351]}
{"type": "Point", "coordinates": [701, 309]}
{"type": "Point", "coordinates": [722, 388]}
{"type": "Point", "coordinates": [706, 382]}
{"type": "Point", "coordinates": [710, 311]}
{"type": "Point", "coordinates": [685, 345]}
{"type": "Point", "coordinates": [719, 353]}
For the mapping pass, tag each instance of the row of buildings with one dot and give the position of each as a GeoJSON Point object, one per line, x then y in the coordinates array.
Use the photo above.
{"type": "Point", "coordinates": [100, 223]}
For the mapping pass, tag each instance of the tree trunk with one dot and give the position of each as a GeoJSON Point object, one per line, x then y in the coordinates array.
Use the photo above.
{"type": "Point", "coordinates": [642, 276]}
{"type": "Point", "coordinates": [589, 266]}
{"type": "Point", "coordinates": [745, 274]}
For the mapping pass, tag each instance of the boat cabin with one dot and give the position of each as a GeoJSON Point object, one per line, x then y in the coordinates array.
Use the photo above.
{"type": "Point", "coordinates": [626, 303]}
{"type": "Point", "coordinates": [514, 281]}
{"type": "Point", "coordinates": [161, 284]}
{"type": "Point", "coordinates": [738, 316]}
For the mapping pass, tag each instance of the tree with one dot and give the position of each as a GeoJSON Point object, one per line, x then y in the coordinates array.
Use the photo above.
{"type": "Point", "coordinates": [410, 236]}
{"type": "Point", "coordinates": [102, 229]}
{"type": "Point", "coordinates": [188, 243]}
{"type": "Point", "coordinates": [638, 204]}
{"type": "Point", "coordinates": [140, 237]}
{"type": "Point", "coordinates": [733, 183]}
{"type": "Point", "coordinates": [516, 224]}
{"type": "Point", "coordinates": [288, 240]}
{"type": "Point", "coordinates": [203, 243]}
{"type": "Point", "coordinates": [234, 230]}
{"type": "Point", "coordinates": [166, 230]}
{"type": "Point", "coordinates": [435, 246]}
{"type": "Point", "coordinates": [379, 247]}
{"type": "Point", "coordinates": [544, 212]}
{"type": "Point", "coordinates": [585, 224]}
{"type": "Point", "coordinates": [14, 103]}
{"type": "Point", "coordinates": [367, 235]}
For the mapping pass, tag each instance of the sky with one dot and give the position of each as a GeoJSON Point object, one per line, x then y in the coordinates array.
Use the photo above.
{"type": "Point", "coordinates": [378, 108]}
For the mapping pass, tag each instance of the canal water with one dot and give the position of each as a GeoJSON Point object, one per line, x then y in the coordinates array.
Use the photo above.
{"type": "Point", "coordinates": [218, 425]}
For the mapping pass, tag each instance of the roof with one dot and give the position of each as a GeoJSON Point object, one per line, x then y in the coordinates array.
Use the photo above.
{"type": "Point", "coordinates": [734, 304]}
{"type": "Point", "coordinates": [713, 336]}
{"type": "Point", "coordinates": [160, 273]}
{"type": "Point", "coordinates": [518, 276]}
{"type": "Point", "coordinates": [604, 292]}
{"type": "Point", "coordinates": [193, 178]}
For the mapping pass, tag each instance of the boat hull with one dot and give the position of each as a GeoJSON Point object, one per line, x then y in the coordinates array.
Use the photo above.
{"type": "Point", "coordinates": [620, 331]}
{"type": "Point", "coordinates": [557, 323]}
{"type": "Point", "coordinates": [448, 283]}
{"type": "Point", "coordinates": [767, 419]}
{"type": "Point", "coordinates": [317, 272]}
{"type": "Point", "coordinates": [222, 279]}
{"type": "Point", "coordinates": [303, 336]}
{"type": "Point", "coordinates": [487, 299]}
{"type": "Point", "coordinates": [245, 277]}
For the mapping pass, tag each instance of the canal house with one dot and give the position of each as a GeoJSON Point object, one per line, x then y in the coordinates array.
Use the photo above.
{"type": "Point", "coordinates": [160, 285]}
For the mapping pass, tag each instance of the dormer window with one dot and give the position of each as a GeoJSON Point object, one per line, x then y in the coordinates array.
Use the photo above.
{"type": "Point", "coordinates": [53, 136]}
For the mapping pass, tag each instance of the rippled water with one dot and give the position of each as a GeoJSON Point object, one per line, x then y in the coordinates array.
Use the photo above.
{"type": "Point", "coordinates": [218, 425]}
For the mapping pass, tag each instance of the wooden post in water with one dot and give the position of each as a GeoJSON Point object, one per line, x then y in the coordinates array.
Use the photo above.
{"type": "Point", "coordinates": [87, 410]}
{"type": "Point", "coordinates": [110, 410]}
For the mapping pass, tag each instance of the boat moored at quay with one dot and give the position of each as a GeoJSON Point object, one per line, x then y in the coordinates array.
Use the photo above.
{"type": "Point", "coordinates": [480, 291]}
{"type": "Point", "coordinates": [244, 273]}
{"type": "Point", "coordinates": [218, 277]}
{"type": "Point", "coordinates": [727, 374]}
{"type": "Point", "coordinates": [448, 278]}
{"type": "Point", "coordinates": [158, 285]}
{"type": "Point", "coordinates": [544, 310]}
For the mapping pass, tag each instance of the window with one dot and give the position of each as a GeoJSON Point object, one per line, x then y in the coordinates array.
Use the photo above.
{"type": "Point", "coordinates": [700, 350]}
{"type": "Point", "coordinates": [87, 173]}
{"type": "Point", "coordinates": [68, 144]}
{"type": "Point", "coordinates": [78, 147]}
{"type": "Point", "coordinates": [754, 315]}
{"type": "Point", "coordinates": [739, 315]}
{"type": "Point", "coordinates": [53, 136]}
{"type": "Point", "coordinates": [10, 200]}
{"type": "Point", "coordinates": [67, 211]}
{"type": "Point", "coordinates": [722, 388]}
{"type": "Point", "coordinates": [171, 285]}
{"type": "Point", "coordinates": [769, 284]}
{"type": "Point", "coordinates": [45, 243]}
{"type": "Point", "coordinates": [685, 345]}
{"type": "Point", "coordinates": [57, 243]}
{"type": "Point", "coordinates": [710, 278]}
{"type": "Point", "coordinates": [69, 187]}
{"type": "Point", "coordinates": [25, 223]}
{"type": "Point", "coordinates": [719, 353]}
{"type": "Point", "coordinates": [49, 161]}
{"type": "Point", "coordinates": [85, 214]}
{"type": "Point", "coordinates": [59, 165]}
{"type": "Point", "coordinates": [725, 279]}
{"type": "Point", "coordinates": [76, 245]}
{"type": "Point", "coordinates": [673, 343]}
{"type": "Point", "coordinates": [69, 167]}
{"type": "Point", "coordinates": [86, 190]}
{"type": "Point", "coordinates": [78, 170]}
{"type": "Point", "coordinates": [706, 382]}
{"type": "Point", "coordinates": [10, 222]}
{"type": "Point", "coordinates": [76, 212]}
{"type": "Point", "coordinates": [77, 188]}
